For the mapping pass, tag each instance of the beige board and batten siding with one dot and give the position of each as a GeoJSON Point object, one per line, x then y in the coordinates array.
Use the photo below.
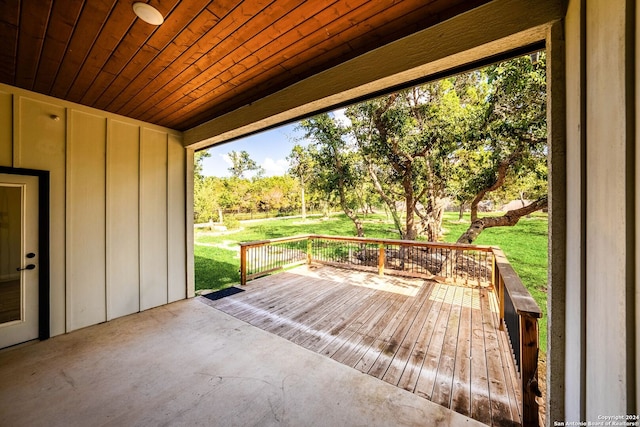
{"type": "Point", "coordinates": [607, 221]}
{"type": "Point", "coordinates": [118, 217]}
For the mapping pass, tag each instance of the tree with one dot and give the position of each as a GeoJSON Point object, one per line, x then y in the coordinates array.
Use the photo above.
{"type": "Point", "coordinates": [301, 166]}
{"type": "Point", "coordinates": [335, 163]}
{"type": "Point", "coordinates": [513, 135]}
{"type": "Point", "coordinates": [406, 139]}
{"type": "Point", "coordinates": [204, 196]}
{"type": "Point", "coordinates": [464, 165]}
{"type": "Point", "coordinates": [241, 163]}
{"type": "Point", "coordinates": [207, 199]}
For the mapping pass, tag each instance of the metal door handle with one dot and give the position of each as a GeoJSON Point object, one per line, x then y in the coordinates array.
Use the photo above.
{"type": "Point", "coordinates": [28, 267]}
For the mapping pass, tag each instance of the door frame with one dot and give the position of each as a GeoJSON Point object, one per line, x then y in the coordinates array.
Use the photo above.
{"type": "Point", "coordinates": [44, 276]}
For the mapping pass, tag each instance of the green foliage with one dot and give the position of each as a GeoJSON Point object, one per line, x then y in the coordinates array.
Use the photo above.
{"type": "Point", "coordinates": [407, 138]}
{"type": "Point", "coordinates": [214, 195]}
{"type": "Point", "coordinates": [300, 163]}
{"type": "Point", "coordinates": [206, 199]}
{"type": "Point", "coordinates": [461, 137]}
{"type": "Point", "coordinates": [511, 130]}
{"type": "Point", "coordinates": [198, 157]}
{"type": "Point", "coordinates": [336, 165]}
{"type": "Point", "coordinates": [241, 163]}
{"type": "Point", "coordinates": [231, 223]}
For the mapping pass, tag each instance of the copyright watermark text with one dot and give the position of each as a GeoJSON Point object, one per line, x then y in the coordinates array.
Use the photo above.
{"type": "Point", "coordinates": [603, 420]}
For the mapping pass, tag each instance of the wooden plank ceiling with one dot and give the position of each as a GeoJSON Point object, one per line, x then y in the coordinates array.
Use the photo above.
{"type": "Point", "coordinates": [208, 58]}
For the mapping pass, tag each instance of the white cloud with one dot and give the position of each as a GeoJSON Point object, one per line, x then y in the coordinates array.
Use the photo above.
{"type": "Point", "coordinates": [275, 167]}
{"type": "Point", "coordinates": [226, 159]}
{"type": "Point", "coordinates": [340, 117]}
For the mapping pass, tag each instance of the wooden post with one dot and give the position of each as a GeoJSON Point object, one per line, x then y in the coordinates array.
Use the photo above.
{"type": "Point", "coordinates": [381, 259]}
{"type": "Point", "coordinates": [309, 250]}
{"type": "Point", "coordinates": [243, 265]}
{"type": "Point", "coordinates": [529, 369]}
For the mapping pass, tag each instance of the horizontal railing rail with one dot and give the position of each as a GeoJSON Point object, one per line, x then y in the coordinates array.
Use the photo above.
{"type": "Point", "coordinates": [457, 263]}
{"type": "Point", "coordinates": [467, 264]}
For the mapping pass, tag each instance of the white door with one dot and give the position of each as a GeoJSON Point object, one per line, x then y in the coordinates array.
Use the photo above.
{"type": "Point", "coordinates": [18, 259]}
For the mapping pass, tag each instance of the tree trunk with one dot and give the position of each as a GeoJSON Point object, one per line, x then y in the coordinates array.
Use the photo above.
{"type": "Point", "coordinates": [353, 216]}
{"type": "Point", "coordinates": [461, 212]}
{"type": "Point", "coordinates": [508, 219]}
{"type": "Point", "coordinates": [357, 222]}
{"type": "Point", "coordinates": [409, 205]}
{"type": "Point", "coordinates": [304, 206]}
{"type": "Point", "coordinates": [391, 204]}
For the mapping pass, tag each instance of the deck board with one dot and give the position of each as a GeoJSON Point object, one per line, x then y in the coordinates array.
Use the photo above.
{"type": "Point", "coordinates": [409, 378]}
{"type": "Point", "coordinates": [400, 360]}
{"type": "Point", "coordinates": [427, 378]}
{"type": "Point", "coordinates": [439, 341]}
{"type": "Point", "coordinates": [444, 377]}
{"type": "Point", "coordinates": [480, 397]}
{"type": "Point", "coordinates": [461, 389]}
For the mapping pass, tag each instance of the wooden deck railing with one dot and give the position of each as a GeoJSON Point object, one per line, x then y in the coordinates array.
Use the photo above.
{"type": "Point", "coordinates": [519, 313]}
{"type": "Point", "coordinates": [467, 264]}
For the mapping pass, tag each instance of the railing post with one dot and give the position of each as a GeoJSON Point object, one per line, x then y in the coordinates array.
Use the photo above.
{"type": "Point", "coordinates": [243, 265]}
{"type": "Point", "coordinates": [529, 369]}
{"type": "Point", "coordinates": [309, 250]}
{"type": "Point", "coordinates": [381, 259]}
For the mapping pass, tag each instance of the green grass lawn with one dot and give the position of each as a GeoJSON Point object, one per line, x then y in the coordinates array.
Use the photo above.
{"type": "Point", "coordinates": [217, 258]}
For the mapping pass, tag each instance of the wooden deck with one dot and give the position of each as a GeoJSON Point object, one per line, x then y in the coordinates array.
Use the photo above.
{"type": "Point", "coordinates": [438, 341]}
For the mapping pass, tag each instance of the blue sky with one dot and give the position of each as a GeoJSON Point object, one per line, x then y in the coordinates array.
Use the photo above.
{"type": "Point", "coordinates": [269, 149]}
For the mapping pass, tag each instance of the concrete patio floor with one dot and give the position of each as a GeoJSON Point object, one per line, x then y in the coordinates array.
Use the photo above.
{"type": "Point", "coordinates": [189, 364]}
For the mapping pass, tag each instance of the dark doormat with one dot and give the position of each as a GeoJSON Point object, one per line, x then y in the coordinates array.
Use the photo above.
{"type": "Point", "coordinates": [214, 296]}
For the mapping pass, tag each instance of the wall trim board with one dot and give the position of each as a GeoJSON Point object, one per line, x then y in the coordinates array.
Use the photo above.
{"type": "Point", "coordinates": [557, 240]}
{"type": "Point", "coordinates": [6, 132]}
{"type": "Point", "coordinates": [44, 280]}
{"type": "Point", "coordinates": [189, 230]}
{"type": "Point", "coordinates": [631, 307]}
{"type": "Point", "coordinates": [575, 305]}
{"type": "Point", "coordinates": [176, 214]}
{"type": "Point", "coordinates": [107, 290]}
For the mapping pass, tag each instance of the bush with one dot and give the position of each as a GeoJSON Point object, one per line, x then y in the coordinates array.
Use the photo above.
{"type": "Point", "coordinates": [231, 223]}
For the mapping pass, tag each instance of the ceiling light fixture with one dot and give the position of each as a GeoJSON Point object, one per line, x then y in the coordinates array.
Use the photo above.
{"type": "Point", "coordinates": [148, 13]}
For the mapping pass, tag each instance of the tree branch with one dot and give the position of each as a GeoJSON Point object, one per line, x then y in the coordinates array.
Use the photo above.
{"type": "Point", "coordinates": [503, 168]}
{"type": "Point", "coordinates": [508, 219]}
